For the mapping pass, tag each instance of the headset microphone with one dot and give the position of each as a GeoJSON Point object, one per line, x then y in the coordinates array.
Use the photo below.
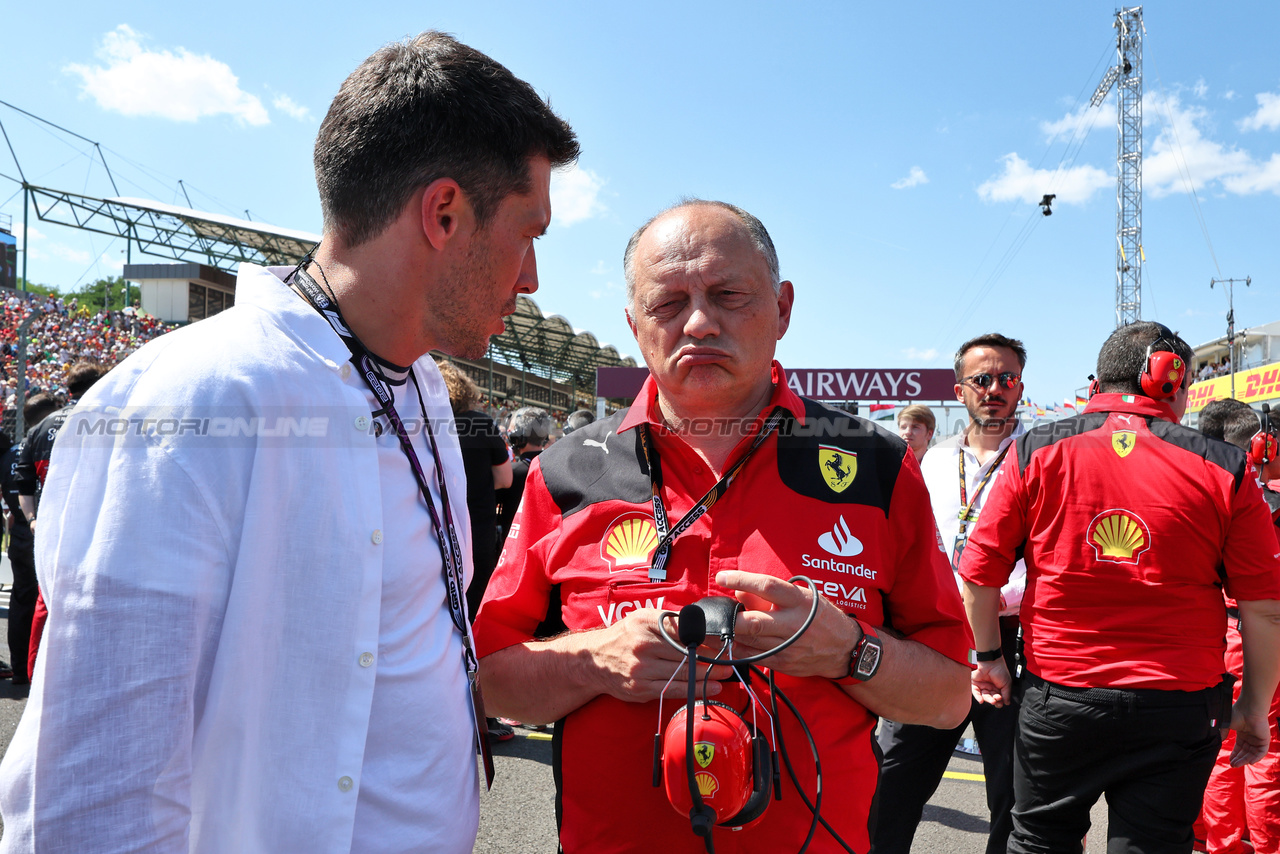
{"type": "Point", "coordinates": [693, 626]}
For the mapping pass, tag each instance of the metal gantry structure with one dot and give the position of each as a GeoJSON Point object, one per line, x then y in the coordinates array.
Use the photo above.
{"type": "Point", "coordinates": [1126, 76]}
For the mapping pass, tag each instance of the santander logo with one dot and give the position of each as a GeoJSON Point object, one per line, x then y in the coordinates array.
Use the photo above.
{"type": "Point", "coordinates": [840, 541]}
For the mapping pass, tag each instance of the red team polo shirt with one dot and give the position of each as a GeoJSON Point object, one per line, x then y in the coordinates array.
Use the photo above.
{"type": "Point", "coordinates": [828, 495]}
{"type": "Point", "coordinates": [1130, 524]}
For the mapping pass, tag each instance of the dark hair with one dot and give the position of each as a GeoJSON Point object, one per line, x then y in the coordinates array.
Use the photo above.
{"type": "Point", "coordinates": [1123, 357]}
{"type": "Point", "coordinates": [755, 230]}
{"type": "Point", "coordinates": [529, 426]}
{"type": "Point", "coordinates": [577, 420]}
{"type": "Point", "coordinates": [38, 406]}
{"type": "Point", "coordinates": [991, 339]}
{"type": "Point", "coordinates": [1230, 421]}
{"type": "Point", "coordinates": [82, 375]}
{"type": "Point", "coordinates": [422, 109]}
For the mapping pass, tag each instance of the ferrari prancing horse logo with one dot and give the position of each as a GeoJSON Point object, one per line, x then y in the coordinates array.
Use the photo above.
{"type": "Point", "coordinates": [1123, 442]}
{"type": "Point", "coordinates": [704, 752]}
{"type": "Point", "coordinates": [838, 466]}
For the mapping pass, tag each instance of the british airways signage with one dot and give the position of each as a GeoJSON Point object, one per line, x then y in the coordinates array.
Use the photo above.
{"type": "Point", "coordinates": [819, 383]}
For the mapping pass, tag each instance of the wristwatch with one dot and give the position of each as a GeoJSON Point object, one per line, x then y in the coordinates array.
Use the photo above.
{"type": "Point", "coordinates": [865, 659]}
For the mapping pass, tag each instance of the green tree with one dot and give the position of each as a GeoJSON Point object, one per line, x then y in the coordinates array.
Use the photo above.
{"type": "Point", "coordinates": [43, 290]}
{"type": "Point", "coordinates": [105, 293]}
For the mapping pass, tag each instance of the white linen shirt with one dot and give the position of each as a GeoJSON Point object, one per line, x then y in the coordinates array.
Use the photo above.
{"type": "Point", "coordinates": [941, 470]}
{"type": "Point", "coordinates": [214, 579]}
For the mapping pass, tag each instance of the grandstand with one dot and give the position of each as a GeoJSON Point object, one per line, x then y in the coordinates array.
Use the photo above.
{"type": "Point", "coordinates": [539, 360]}
{"type": "Point", "coordinates": [1254, 380]}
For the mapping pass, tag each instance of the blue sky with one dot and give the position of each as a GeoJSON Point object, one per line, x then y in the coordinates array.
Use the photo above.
{"type": "Point", "coordinates": [893, 150]}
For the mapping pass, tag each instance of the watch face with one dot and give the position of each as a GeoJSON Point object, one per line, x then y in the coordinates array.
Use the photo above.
{"type": "Point", "coordinates": [868, 661]}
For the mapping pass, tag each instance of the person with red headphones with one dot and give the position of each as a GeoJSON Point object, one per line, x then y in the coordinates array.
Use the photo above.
{"type": "Point", "coordinates": [1131, 526]}
{"type": "Point", "coordinates": [1244, 801]}
{"type": "Point", "coordinates": [720, 480]}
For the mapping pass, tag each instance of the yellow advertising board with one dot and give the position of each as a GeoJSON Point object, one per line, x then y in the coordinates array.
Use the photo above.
{"type": "Point", "coordinates": [1252, 386]}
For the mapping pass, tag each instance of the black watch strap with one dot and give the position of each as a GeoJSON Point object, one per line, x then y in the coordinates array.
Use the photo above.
{"type": "Point", "coordinates": [989, 655]}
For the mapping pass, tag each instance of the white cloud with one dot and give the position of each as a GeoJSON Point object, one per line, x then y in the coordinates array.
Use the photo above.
{"type": "Point", "coordinates": [1201, 88]}
{"type": "Point", "coordinates": [1083, 120]}
{"type": "Point", "coordinates": [917, 355]}
{"type": "Point", "coordinates": [1267, 116]}
{"type": "Point", "coordinates": [42, 249]}
{"type": "Point", "coordinates": [291, 108]}
{"type": "Point", "coordinates": [575, 195]}
{"type": "Point", "coordinates": [1181, 150]}
{"type": "Point", "coordinates": [914, 178]}
{"type": "Point", "coordinates": [1230, 94]}
{"type": "Point", "coordinates": [181, 86]}
{"type": "Point", "coordinates": [600, 269]}
{"type": "Point", "coordinates": [1019, 181]}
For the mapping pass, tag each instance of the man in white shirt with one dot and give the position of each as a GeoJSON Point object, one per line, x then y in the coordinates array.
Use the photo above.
{"type": "Point", "coordinates": [959, 474]}
{"type": "Point", "coordinates": [257, 640]}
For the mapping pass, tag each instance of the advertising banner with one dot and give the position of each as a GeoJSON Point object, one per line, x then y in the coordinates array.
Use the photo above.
{"type": "Point", "coordinates": [819, 383]}
{"type": "Point", "coordinates": [1252, 386]}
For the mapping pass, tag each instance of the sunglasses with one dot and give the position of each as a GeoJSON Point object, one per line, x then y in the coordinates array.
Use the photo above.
{"type": "Point", "coordinates": [1006, 379]}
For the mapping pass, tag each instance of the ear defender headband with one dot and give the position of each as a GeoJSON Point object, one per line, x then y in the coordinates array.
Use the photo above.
{"type": "Point", "coordinates": [1163, 371]}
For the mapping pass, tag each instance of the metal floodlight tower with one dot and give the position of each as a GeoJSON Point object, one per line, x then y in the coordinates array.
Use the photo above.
{"type": "Point", "coordinates": [1126, 75]}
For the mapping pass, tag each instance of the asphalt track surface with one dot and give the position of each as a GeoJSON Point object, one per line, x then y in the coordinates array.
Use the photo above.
{"type": "Point", "coordinates": [518, 815]}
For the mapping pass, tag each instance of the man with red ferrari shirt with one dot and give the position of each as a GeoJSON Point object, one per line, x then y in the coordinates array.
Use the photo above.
{"type": "Point", "coordinates": [1130, 525]}
{"type": "Point", "coordinates": [818, 492]}
{"type": "Point", "coordinates": [1246, 799]}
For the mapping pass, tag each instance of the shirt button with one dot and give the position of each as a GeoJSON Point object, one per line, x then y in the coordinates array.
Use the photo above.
{"type": "Point", "coordinates": [377, 536]}
{"type": "Point", "coordinates": [345, 784]}
{"type": "Point", "coordinates": [345, 370]}
{"type": "Point", "coordinates": [366, 659]}
{"type": "Point", "coordinates": [362, 423]}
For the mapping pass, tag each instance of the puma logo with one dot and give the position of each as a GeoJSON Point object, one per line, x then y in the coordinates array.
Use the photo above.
{"type": "Point", "coordinates": [604, 446]}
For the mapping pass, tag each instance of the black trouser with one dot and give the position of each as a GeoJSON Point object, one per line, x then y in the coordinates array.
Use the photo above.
{"type": "Point", "coordinates": [915, 758]}
{"type": "Point", "coordinates": [1149, 751]}
{"type": "Point", "coordinates": [22, 601]}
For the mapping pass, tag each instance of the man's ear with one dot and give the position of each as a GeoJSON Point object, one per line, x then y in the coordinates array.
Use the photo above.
{"type": "Point", "coordinates": [443, 208]}
{"type": "Point", "coordinates": [631, 322]}
{"type": "Point", "coordinates": [959, 392]}
{"type": "Point", "coordinates": [786, 299]}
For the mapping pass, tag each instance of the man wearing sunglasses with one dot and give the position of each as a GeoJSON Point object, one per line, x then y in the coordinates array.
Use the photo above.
{"type": "Point", "coordinates": [959, 473]}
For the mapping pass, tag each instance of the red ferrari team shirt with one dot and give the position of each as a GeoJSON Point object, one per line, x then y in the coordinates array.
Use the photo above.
{"type": "Point", "coordinates": [828, 495]}
{"type": "Point", "coordinates": [1131, 526]}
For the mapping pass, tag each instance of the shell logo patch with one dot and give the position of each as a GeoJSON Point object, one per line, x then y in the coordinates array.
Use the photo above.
{"type": "Point", "coordinates": [1119, 536]}
{"type": "Point", "coordinates": [838, 466]}
{"type": "Point", "coordinates": [707, 784]}
{"type": "Point", "coordinates": [629, 542]}
{"type": "Point", "coordinates": [1123, 442]}
{"type": "Point", "coordinates": [704, 752]}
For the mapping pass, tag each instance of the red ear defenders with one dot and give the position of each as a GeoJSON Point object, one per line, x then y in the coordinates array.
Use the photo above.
{"type": "Point", "coordinates": [732, 764]}
{"type": "Point", "coordinates": [1163, 371]}
{"type": "Point", "coordinates": [1263, 448]}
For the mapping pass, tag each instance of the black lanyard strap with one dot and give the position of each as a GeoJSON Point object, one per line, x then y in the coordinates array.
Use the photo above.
{"type": "Point", "coordinates": [446, 533]}
{"type": "Point", "coordinates": [666, 537]}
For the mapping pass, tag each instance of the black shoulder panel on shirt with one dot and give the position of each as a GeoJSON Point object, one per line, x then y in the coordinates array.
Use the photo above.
{"type": "Point", "coordinates": [1224, 455]}
{"type": "Point", "coordinates": [1272, 497]}
{"type": "Point", "coordinates": [595, 464]}
{"type": "Point", "coordinates": [839, 458]}
{"type": "Point", "coordinates": [1044, 435]}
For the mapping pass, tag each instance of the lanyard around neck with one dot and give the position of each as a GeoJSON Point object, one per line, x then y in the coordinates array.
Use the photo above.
{"type": "Point", "coordinates": [966, 505]}
{"type": "Point", "coordinates": [446, 532]}
{"type": "Point", "coordinates": [667, 536]}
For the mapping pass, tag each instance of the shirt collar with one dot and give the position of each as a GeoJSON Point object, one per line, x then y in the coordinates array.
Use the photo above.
{"type": "Point", "coordinates": [644, 410]}
{"type": "Point", "coordinates": [963, 445]}
{"type": "Point", "coordinates": [1138, 404]}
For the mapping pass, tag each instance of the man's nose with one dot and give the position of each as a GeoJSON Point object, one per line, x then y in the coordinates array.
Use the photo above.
{"type": "Point", "coordinates": [527, 282]}
{"type": "Point", "coordinates": [701, 322]}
